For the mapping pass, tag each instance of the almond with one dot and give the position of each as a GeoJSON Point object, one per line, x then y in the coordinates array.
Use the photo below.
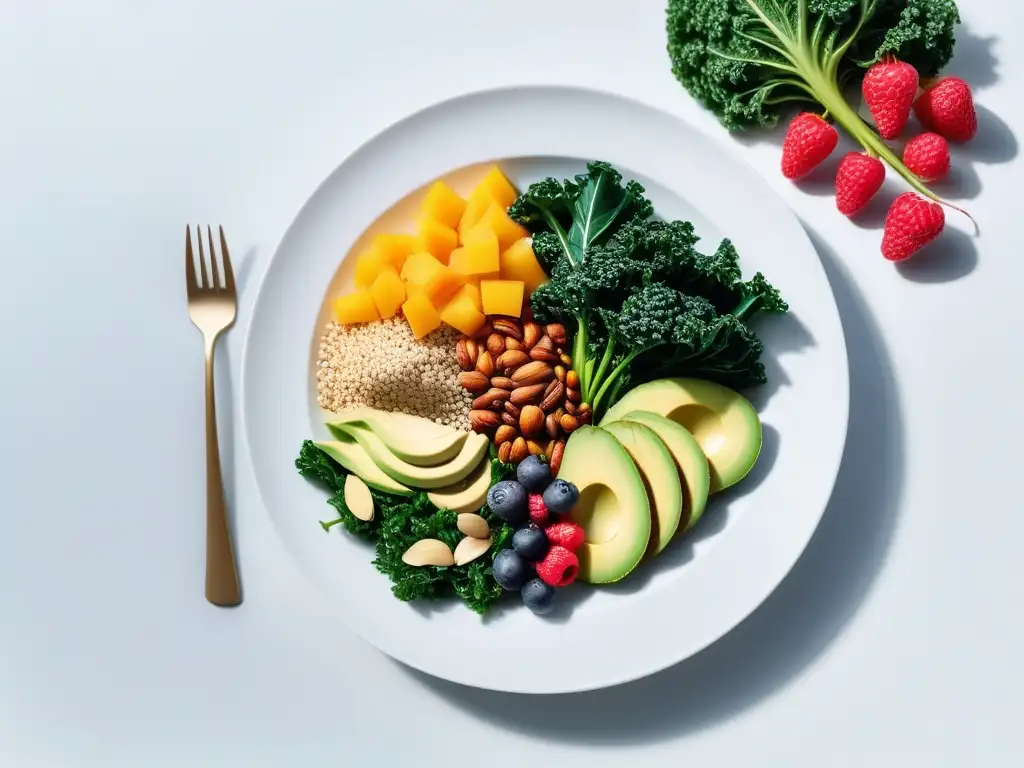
{"type": "Point", "coordinates": [531, 334]}
{"type": "Point", "coordinates": [531, 421]}
{"type": "Point", "coordinates": [508, 327]}
{"type": "Point", "coordinates": [358, 498]}
{"type": "Point", "coordinates": [509, 420]}
{"type": "Point", "coordinates": [551, 425]}
{"type": "Point", "coordinates": [474, 381]}
{"type": "Point", "coordinates": [466, 362]}
{"type": "Point", "coordinates": [512, 358]}
{"type": "Point", "coordinates": [481, 421]}
{"type": "Point", "coordinates": [491, 399]}
{"type": "Point", "coordinates": [566, 360]}
{"type": "Point", "coordinates": [560, 373]}
{"type": "Point", "coordinates": [513, 344]}
{"type": "Point", "coordinates": [536, 372]}
{"type": "Point", "coordinates": [553, 396]}
{"type": "Point", "coordinates": [570, 408]}
{"type": "Point", "coordinates": [473, 349]}
{"type": "Point", "coordinates": [505, 452]}
{"type": "Point", "coordinates": [469, 549]}
{"type": "Point", "coordinates": [495, 344]}
{"type": "Point", "coordinates": [505, 434]}
{"type": "Point", "coordinates": [544, 355]}
{"type": "Point", "coordinates": [428, 552]}
{"type": "Point", "coordinates": [526, 395]}
{"type": "Point", "coordinates": [473, 525]}
{"type": "Point", "coordinates": [569, 423]}
{"type": "Point", "coordinates": [519, 451]}
{"type": "Point", "coordinates": [512, 409]}
{"type": "Point", "coordinates": [534, 448]}
{"type": "Point", "coordinates": [572, 395]}
{"type": "Point", "coordinates": [572, 379]}
{"type": "Point", "coordinates": [501, 382]}
{"type": "Point", "coordinates": [557, 333]}
{"type": "Point", "coordinates": [485, 364]}
{"type": "Point", "coordinates": [555, 457]}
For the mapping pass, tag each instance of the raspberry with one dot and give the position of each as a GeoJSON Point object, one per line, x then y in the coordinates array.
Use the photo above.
{"type": "Point", "coordinates": [565, 534]}
{"type": "Point", "coordinates": [927, 156]}
{"type": "Point", "coordinates": [538, 510]}
{"type": "Point", "coordinates": [559, 567]}
{"type": "Point", "coordinates": [809, 141]}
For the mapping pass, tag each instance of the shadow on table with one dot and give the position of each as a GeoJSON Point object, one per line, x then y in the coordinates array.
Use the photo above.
{"type": "Point", "coordinates": [786, 634]}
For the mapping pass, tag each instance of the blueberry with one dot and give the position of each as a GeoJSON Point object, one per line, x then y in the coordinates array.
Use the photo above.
{"type": "Point", "coordinates": [538, 596]}
{"type": "Point", "coordinates": [510, 570]}
{"type": "Point", "coordinates": [507, 500]}
{"type": "Point", "coordinates": [560, 497]}
{"type": "Point", "coordinates": [534, 474]}
{"type": "Point", "coordinates": [531, 543]}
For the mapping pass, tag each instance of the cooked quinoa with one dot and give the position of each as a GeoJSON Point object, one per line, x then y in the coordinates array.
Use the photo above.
{"type": "Point", "coordinates": [380, 365]}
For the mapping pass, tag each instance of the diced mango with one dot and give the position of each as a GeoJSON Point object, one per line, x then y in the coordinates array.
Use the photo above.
{"type": "Point", "coordinates": [395, 249]}
{"type": "Point", "coordinates": [356, 307]}
{"type": "Point", "coordinates": [369, 264]}
{"type": "Point", "coordinates": [518, 262]}
{"type": "Point", "coordinates": [443, 285]}
{"type": "Point", "coordinates": [443, 204]}
{"type": "Point", "coordinates": [414, 289]}
{"type": "Point", "coordinates": [498, 187]}
{"type": "Point", "coordinates": [437, 238]}
{"type": "Point", "coordinates": [478, 259]}
{"type": "Point", "coordinates": [502, 297]}
{"type": "Point", "coordinates": [476, 206]}
{"type": "Point", "coordinates": [473, 291]}
{"type": "Point", "coordinates": [461, 313]}
{"type": "Point", "coordinates": [388, 292]}
{"type": "Point", "coordinates": [421, 315]}
{"type": "Point", "coordinates": [420, 268]}
{"type": "Point", "coordinates": [497, 221]}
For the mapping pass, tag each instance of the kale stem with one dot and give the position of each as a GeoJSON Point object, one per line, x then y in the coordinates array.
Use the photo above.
{"type": "Point", "coordinates": [579, 352]}
{"type": "Point", "coordinates": [606, 360]}
{"type": "Point", "coordinates": [617, 371]}
{"type": "Point", "coordinates": [327, 526]}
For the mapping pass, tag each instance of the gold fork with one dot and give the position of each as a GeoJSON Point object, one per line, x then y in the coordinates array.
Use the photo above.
{"type": "Point", "coordinates": [211, 306]}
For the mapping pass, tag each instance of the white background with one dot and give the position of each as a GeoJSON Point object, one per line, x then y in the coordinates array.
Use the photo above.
{"type": "Point", "coordinates": [896, 639]}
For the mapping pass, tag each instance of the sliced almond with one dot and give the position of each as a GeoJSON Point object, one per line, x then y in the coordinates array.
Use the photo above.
{"type": "Point", "coordinates": [469, 549]}
{"type": "Point", "coordinates": [358, 498]}
{"type": "Point", "coordinates": [472, 525]}
{"type": "Point", "coordinates": [428, 552]}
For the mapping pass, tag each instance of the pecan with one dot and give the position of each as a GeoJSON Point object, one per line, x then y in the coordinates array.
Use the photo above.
{"type": "Point", "coordinates": [553, 396]}
{"type": "Point", "coordinates": [508, 327]}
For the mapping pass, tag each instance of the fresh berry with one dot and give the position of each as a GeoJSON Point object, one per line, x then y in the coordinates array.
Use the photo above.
{"type": "Point", "coordinates": [809, 141]}
{"type": "Point", "coordinates": [533, 474]}
{"type": "Point", "coordinates": [531, 543]}
{"type": "Point", "coordinates": [560, 497]}
{"type": "Point", "coordinates": [565, 534]}
{"type": "Point", "coordinates": [507, 499]}
{"type": "Point", "coordinates": [538, 596]}
{"type": "Point", "coordinates": [859, 177]}
{"type": "Point", "coordinates": [510, 570]}
{"type": "Point", "coordinates": [539, 514]}
{"type": "Point", "coordinates": [559, 567]}
{"type": "Point", "coordinates": [948, 108]}
{"type": "Point", "coordinates": [912, 223]}
{"type": "Point", "coordinates": [927, 156]}
{"type": "Point", "coordinates": [889, 89]}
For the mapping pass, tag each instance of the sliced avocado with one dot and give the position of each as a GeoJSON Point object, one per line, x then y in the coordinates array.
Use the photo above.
{"type": "Point", "coordinates": [467, 495]}
{"type": "Point", "coordinates": [473, 450]}
{"type": "Point", "coordinates": [352, 457]}
{"type": "Point", "coordinates": [413, 439]}
{"type": "Point", "coordinates": [723, 422]}
{"type": "Point", "coordinates": [690, 461]}
{"type": "Point", "coordinates": [660, 475]}
{"type": "Point", "coordinates": [613, 509]}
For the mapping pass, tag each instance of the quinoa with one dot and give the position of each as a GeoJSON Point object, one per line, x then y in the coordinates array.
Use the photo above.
{"type": "Point", "coordinates": [381, 365]}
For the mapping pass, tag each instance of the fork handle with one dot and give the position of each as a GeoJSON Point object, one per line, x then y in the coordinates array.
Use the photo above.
{"type": "Point", "coordinates": [221, 574]}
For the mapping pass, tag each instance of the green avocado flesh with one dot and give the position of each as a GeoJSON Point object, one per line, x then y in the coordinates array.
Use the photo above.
{"type": "Point", "coordinates": [660, 476]}
{"type": "Point", "coordinates": [467, 495]}
{"type": "Point", "coordinates": [413, 439]}
{"type": "Point", "coordinates": [352, 457]}
{"type": "Point", "coordinates": [613, 508]}
{"type": "Point", "coordinates": [723, 422]}
{"type": "Point", "coordinates": [689, 458]}
{"type": "Point", "coordinates": [474, 449]}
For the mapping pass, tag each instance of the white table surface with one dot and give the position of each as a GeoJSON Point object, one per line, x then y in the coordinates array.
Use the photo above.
{"type": "Point", "coordinates": [895, 641]}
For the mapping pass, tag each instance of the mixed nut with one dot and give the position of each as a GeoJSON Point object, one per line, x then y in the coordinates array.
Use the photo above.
{"type": "Point", "coordinates": [527, 395]}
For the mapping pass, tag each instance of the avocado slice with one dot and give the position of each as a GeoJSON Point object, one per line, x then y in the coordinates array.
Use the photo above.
{"type": "Point", "coordinates": [690, 461]}
{"type": "Point", "coordinates": [723, 422]}
{"type": "Point", "coordinates": [467, 495]}
{"type": "Point", "coordinates": [473, 450]}
{"type": "Point", "coordinates": [413, 439]}
{"type": "Point", "coordinates": [613, 509]}
{"type": "Point", "coordinates": [352, 457]}
{"type": "Point", "coordinates": [660, 475]}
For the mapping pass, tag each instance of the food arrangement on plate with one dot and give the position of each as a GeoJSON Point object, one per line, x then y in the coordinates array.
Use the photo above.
{"type": "Point", "coordinates": [526, 390]}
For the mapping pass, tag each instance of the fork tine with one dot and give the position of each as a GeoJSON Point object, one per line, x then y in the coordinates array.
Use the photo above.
{"type": "Point", "coordinates": [213, 260]}
{"type": "Point", "coordinates": [229, 275]}
{"type": "Point", "coordinates": [202, 260]}
{"type": "Point", "coordinates": [190, 263]}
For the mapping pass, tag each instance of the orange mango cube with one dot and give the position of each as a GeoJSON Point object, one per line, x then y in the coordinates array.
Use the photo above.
{"type": "Point", "coordinates": [421, 315]}
{"type": "Point", "coordinates": [443, 285]}
{"type": "Point", "coordinates": [497, 221]}
{"type": "Point", "coordinates": [356, 307]}
{"type": "Point", "coordinates": [462, 313]}
{"type": "Point", "coordinates": [369, 264]}
{"type": "Point", "coordinates": [437, 238]}
{"type": "Point", "coordinates": [498, 187]}
{"type": "Point", "coordinates": [472, 290]}
{"type": "Point", "coordinates": [479, 258]}
{"type": "Point", "coordinates": [395, 249]}
{"type": "Point", "coordinates": [443, 204]}
{"type": "Point", "coordinates": [420, 268]}
{"type": "Point", "coordinates": [476, 207]}
{"type": "Point", "coordinates": [388, 292]}
{"type": "Point", "coordinates": [518, 262]}
{"type": "Point", "coordinates": [502, 297]}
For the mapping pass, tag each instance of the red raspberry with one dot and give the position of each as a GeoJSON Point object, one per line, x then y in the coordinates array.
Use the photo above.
{"type": "Point", "coordinates": [538, 510]}
{"type": "Point", "coordinates": [912, 223]}
{"type": "Point", "coordinates": [858, 178]}
{"type": "Point", "coordinates": [565, 534]}
{"type": "Point", "coordinates": [559, 567]}
{"type": "Point", "coordinates": [948, 108]}
{"type": "Point", "coordinates": [927, 156]}
{"type": "Point", "coordinates": [889, 89]}
{"type": "Point", "coordinates": [809, 141]}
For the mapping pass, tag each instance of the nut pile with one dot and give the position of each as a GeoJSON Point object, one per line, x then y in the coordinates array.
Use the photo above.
{"type": "Point", "coordinates": [527, 396]}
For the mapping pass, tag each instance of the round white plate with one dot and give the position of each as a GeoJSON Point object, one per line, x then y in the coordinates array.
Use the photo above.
{"type": "Point", "coordinates": [702, 586]}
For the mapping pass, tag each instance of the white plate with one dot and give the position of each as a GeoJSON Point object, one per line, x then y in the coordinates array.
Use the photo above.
{"type": "Point", "coordinates": [700, 588]}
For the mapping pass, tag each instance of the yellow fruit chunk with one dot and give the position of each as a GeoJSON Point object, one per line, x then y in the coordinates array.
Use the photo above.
{"type": "Point", "coordinates": [369, 264]}
{"type": "Point", "coordinates": [421, 315]}
{"type": "Point", "coordinates": [497, 221]}
{"type": "Point", "coordinates": [437, 239]}
{"type": "Point", "coordinates": [420, 268]}
{"type": "Point", "coordinates": [357, 307]}
{"type": "Point", "coordinates": [476, 207]}
{"type": "Point", "coordinates": [461, 313]}
{"type": "Point", "coordinates": [498, 187]}
{"type": "Point", "coordinates": [478, 259]}
{"type": "Point", "coordinates": [443, 204]}
{"type": "Point", "coordinates": [395, 249]}
{"type": "Point", "coordinates": [473, 291]}
{"type": "Point", "coordinates": [443, 285]}
{"type": "Point", "coordinates": [388, 292]}
{"type": "Point", "coordinates": [502, 297]}
{"type": "Point", "coordinates": [413, 289]}
{"type": "Point", "coordinates": [519, 263]}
